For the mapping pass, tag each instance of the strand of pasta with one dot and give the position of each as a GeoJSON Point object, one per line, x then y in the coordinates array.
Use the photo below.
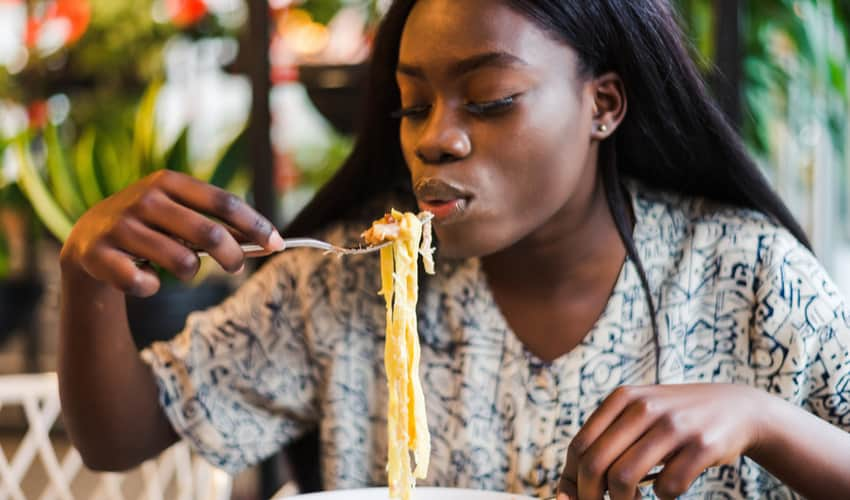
{"type": "Point", "coordinates": [407, 427]}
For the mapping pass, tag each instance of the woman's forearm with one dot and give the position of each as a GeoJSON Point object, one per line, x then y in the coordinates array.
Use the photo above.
{"type": "Point", "coordinates": [805, 452]}
{"type": "Point", "coordinates": [109, 397]}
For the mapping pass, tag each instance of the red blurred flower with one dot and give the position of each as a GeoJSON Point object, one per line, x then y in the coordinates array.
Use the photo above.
{"type": "Point", "coordinates": [76, 13]}
{"type": "Point", "coordinates": [33, 29]}
{"type": "Point", "coordinates": [37, 114]}
{"type": "Point", "coordinates": [185, 12]}
{"type": "Point", "coordinates": [283, 74]}
{"type": "Point", "coordinates": [287, 176]}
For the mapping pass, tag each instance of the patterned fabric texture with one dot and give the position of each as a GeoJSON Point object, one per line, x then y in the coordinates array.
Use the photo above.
{"type": "Point", "coordinates": [300, 346]}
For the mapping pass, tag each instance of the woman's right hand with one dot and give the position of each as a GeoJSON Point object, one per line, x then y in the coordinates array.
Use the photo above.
{"type": "Point", "coordinates": [157, 219]}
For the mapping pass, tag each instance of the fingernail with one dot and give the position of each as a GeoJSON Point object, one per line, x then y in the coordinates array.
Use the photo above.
{"type": "Point", "coordinates": [276, 242]}
{"type": "Point", "coordinates": [241, 268]}
{"type": "Point", "coordinates": [563, 496]}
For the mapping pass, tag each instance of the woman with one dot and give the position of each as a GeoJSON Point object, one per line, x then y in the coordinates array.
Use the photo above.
{"type": "Point", "coordinates": [618, 287]}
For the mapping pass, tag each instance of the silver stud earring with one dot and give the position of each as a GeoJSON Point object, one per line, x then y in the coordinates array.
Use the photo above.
{"type": "Point", "coordinates": [603, 128]}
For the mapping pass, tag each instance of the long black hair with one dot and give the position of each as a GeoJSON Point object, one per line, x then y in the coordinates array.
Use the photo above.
{"type": "Point", "coordinates": [674, 136]}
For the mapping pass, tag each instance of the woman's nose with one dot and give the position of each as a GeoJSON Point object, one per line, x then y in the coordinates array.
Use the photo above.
{"type": "Point", "coordinates": [444, 139]}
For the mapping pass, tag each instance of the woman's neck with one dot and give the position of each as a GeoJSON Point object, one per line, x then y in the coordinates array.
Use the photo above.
{"type": "Point", "coordinates": [572, 253]}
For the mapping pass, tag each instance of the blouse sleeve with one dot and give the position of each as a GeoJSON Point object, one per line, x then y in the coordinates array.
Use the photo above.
{"type": "Point", "coordinates": [238, 382]}
{"type": "Point", "coordinates": [800, 340]}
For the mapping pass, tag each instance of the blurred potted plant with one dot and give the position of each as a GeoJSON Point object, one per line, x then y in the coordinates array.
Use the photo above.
{"type": "Point", "coordinates": [796, 85]}
{"type": "Point", "coordinates": [98, 55]}
{"type": "Point", "coordinates": [325, 45]}
{"type": "Point", "coordinates": [61, 183]}
{"type": "Point", "coordinates": [797, 90]}
{"type": "Point", "coordinates": [20, 288]}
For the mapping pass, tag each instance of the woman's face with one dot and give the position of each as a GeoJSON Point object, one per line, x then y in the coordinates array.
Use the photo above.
{"type": "Point", "coordinates": [496, 123]}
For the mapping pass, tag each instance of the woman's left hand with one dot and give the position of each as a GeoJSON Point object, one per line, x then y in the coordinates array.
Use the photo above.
{"type": "Point", "coordinates": [687, 428]}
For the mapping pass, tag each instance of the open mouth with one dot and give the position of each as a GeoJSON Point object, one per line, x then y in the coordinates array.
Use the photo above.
{"type": "Point", "coordinates": [443, 209]}
{"type": "Point", "coordinates": [445, 200]}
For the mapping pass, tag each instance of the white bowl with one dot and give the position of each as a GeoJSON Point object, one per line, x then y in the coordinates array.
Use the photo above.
{"type": "Point", "coordinates": [420, 493]}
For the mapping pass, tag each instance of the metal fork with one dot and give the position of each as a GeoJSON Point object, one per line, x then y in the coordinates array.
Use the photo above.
{"type": "Point", "coordinates": [253, 250]}
{"type": "Point", "coordinates": [250, 248]}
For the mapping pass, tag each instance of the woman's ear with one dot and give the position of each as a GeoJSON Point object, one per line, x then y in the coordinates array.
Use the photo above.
{"type": "Point", "coordinates": [609, 105]}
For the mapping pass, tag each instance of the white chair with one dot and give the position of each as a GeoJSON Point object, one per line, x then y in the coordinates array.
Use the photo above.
{"type": "Point", "coordinates": [175, 474]}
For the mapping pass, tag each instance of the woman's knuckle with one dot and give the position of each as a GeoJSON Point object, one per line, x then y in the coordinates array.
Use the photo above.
{"type": "Point", "coordinates": [593, 466]}
{"type": "Point", "coordinates": [161, 177]}
{"type": "Point", "coordinates": [186, 264]}
{"type": "Point", "coordinates": [578, 446]}
{"type": "Point", "coordinates": [621, 478]}
{"type": "Point", "coordinates": [644, 407]}
{"type": "Point", "coordinates": [212, 234]}
{"type": "Point", "coordinates": [148, 203]}
{"type": "Point", "coordinates": [624, 393]}
{"type": "Point", "coordinates": [262, 227]}
{"type": "Point", "coordinates": [227, 204]}
{"type": "Point", "coordinates": [135, 283]}
{"type": "Point", "coordinates": [703, 442]}
{"type": "Point", "coordinates": [121, 226]}
{"type": "Point", "coordinates": [671, 423]}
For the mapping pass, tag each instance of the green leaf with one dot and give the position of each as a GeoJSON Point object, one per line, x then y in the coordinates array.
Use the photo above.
{"type": "Point", "coordinates": [113, 151]}
{"type": "Point", "coordinates": [62, 179]}
{"type": "Point", "coordinates": [107, 164]}
{"type": "Point", "coordinates": [5, 257]}
{"type": "Point", "coordinates": [144, 134]}
{"type": "Point", "coordinates": [322, 11]}
{"type": "Point", "coordinates": [3, 144]}
{"type": "Point", "coordinates": [34, 188]}
{"type": "Point", "coordinates": [229, 162]}
{"type": "Point", "coordinates": [838, 75]}
{"type": "Point", "coordinates": [177, 158]}
{"type": "Point", "coordinates": [84, 162]}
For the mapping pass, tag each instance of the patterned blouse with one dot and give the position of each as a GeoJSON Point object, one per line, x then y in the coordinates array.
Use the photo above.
{"type": "Point", "coordinates": [300, 345]}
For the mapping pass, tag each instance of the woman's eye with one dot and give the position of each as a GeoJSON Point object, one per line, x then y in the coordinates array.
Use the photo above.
{"type": "Point", "coordinates": [412, 112]}
{"type": "Point", "coordinates": [491, 107]}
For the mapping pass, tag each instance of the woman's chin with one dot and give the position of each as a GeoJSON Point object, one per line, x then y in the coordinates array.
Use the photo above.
{"type": "Point", "coordinates": [452, 245]}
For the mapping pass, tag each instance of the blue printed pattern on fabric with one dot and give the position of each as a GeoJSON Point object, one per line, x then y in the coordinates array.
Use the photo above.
{"type": "Point", "coordinates": [300, 345]}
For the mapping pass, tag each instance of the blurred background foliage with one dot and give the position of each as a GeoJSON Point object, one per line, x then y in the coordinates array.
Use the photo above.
{"type": "Point", "coordinates": [88, 84]}
{"type": "Point", "coordinates": [95, 94]}
{"type": "Point", "coordinates": [796, 103]}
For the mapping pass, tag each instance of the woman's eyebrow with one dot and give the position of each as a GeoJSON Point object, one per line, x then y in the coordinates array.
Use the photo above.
{"type": "Point", "coordinates": [467, 65]}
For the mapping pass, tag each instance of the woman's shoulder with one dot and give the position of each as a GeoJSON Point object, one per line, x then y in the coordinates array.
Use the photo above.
{"type": "Point", "coordinates": [686, 234]}
{"type": "Point", "coordinates": [704, 222]}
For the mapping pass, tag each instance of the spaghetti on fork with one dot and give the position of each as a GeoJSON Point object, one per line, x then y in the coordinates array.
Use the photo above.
{"type": "Point", "coordinates": [409, 441]}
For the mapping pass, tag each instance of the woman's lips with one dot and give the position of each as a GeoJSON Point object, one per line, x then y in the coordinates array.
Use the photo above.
{"type": "Point", "coordinates": [444, 210]}
{"type": "Point", "coordinates": [447, 201]}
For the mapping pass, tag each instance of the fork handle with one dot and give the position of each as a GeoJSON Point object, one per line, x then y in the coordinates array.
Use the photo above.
{"type": "Point", "coordinates": [288, 242]}
{"type": "Point", "coordinates": [246, 248]}
{"type": "Point", "coordinates": [253, 248]}
{"type": "Point", "coordinates": [257, 250]}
